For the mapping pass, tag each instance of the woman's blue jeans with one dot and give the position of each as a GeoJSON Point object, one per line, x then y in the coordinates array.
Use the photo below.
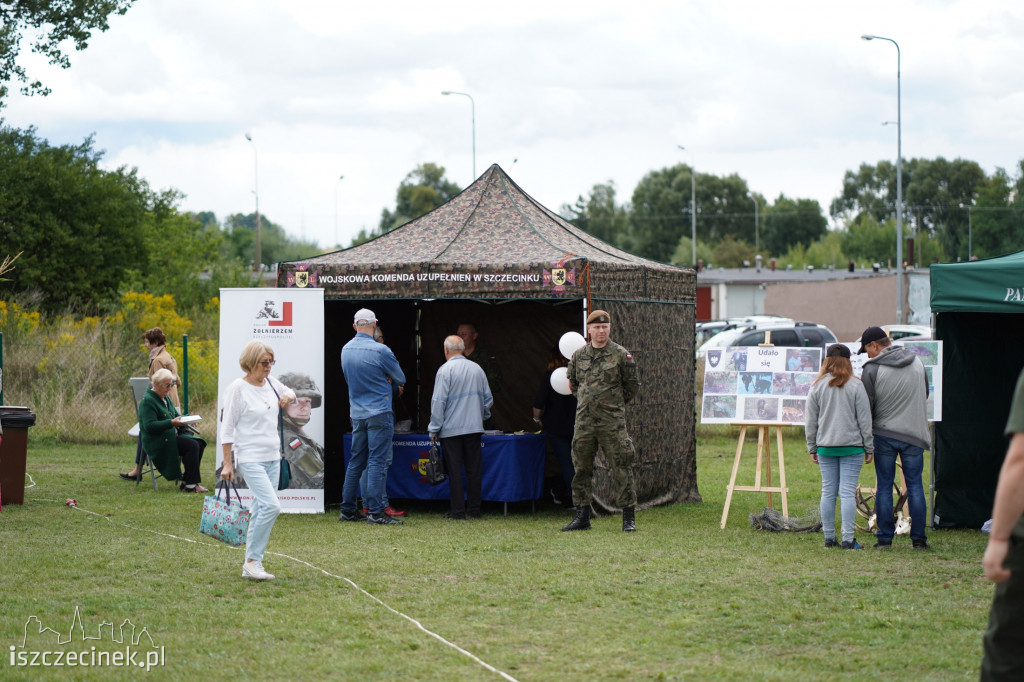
{"type": "Point", "coordinates": [261, 478]}
{"type": "Point", "coordinates": [839, 476]}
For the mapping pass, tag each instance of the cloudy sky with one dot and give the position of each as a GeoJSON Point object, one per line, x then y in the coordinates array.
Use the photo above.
{"type": "Point", "coordinates": [567, 94]}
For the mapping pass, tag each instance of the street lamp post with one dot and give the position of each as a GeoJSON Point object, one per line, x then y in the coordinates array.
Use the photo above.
{"type": "Point", "coordinates": [757, 234]}
{"type": "Point", "coordinates": [968, 207]}
{"type": "Point", "coordinates": [472, 109]}
{"type": "Point", "coordinates": [899, 181]}
{"type": "Point", "coordinates": [256, 192]}
{"type": "Point", "coordinates": [336, 186]}
{"type": "Point", "coordinates": [693, 205]}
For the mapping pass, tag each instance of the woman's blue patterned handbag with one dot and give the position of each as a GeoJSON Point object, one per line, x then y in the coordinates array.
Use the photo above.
{"type": "Point", "coordinates": [224, 520]}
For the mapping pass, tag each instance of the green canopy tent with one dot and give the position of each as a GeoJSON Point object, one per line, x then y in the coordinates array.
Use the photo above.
{"type": "Point", "coordinates": [977, 307]}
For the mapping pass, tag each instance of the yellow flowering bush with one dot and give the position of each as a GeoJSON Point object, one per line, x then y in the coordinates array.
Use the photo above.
{"type": "Point", "coordinates": [73, 371]}
{"type": "Point", "coordinates": [145, 311]}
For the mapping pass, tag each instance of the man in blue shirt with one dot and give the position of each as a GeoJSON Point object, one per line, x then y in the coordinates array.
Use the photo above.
{"type": "Point", "coordinates": [370, 368]}
{"type": "Point", "coordinates": [461, 403]}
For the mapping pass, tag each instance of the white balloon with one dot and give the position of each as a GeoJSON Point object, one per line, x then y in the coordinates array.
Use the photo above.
{"type": "Point", "coordinates": [570, 343]}
{"type": "Point", "coordinates": [560, 382]}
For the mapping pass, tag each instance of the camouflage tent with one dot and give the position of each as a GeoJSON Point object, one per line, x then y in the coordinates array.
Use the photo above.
{"type": "Point", "coordinates": [495, 257]}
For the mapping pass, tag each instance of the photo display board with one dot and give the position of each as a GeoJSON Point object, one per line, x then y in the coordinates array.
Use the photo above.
{"type": "Point", "coordinates": [930, 354]}
{"type": "Point", "coordinates": [758, 384]}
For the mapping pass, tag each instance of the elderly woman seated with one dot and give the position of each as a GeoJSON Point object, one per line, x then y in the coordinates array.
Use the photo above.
{"type": "Point", "coordinates": [159, 420]}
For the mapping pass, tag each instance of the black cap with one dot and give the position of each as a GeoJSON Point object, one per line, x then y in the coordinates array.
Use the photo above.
{"type": "Point", "coordinates": [838, 350]}
{"type": "Point", "coordinates": [871, 334]}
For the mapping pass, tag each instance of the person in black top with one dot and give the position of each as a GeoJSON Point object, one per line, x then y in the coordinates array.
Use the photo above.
{"type": "Point", "coordinates": [555, 414]}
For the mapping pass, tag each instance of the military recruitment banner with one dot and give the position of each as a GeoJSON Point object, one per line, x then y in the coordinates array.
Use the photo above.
{"type": "Point", "coordinates": [291, 322]}
{"type": "Point", "coordinates": [758, 384]}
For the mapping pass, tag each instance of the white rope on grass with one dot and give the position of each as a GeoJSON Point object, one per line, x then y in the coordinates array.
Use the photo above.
{"type": "Point", "coordinates": [74, 505]}
{"type": "Point", "coordinates": [399, 613]}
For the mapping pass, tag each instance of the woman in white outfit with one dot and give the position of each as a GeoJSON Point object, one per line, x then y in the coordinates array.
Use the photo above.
{"type": "Point", "coordinates": [252, 446]}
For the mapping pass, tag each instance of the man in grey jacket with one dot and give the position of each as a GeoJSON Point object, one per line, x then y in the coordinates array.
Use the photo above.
{"type": "Point", "coordinates": [458, 409]}
{"type": "Point", "coordinates": [897, 388]}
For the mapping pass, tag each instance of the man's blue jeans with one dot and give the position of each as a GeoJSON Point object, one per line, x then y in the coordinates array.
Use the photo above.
{"type": "Point", "coordinates": [371, 450]}
{"type": "Point", "coordinates": [912, 459]}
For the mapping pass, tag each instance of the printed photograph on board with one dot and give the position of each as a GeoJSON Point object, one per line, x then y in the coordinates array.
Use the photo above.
{"type": "Point", "coordinates": [755, 382]}
{"type": "Point", "coordinates": [756, 409]}
{"type": "Point", "coordinates": [720, 382]}
{"type": "Point", "coordinates": [927, 351]}
{"type": "Point", "coordinates": [737, 360]}
{"type": "Point", "coordinates": [803, 359]}
{"type": "Point", "coordinates": [793, 410]}
{"type": "Point", "coordinates": [720, 408]}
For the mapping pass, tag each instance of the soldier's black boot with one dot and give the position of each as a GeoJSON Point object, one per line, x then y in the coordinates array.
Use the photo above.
{"type": "Point", "coordinates": [582, 520]}
{"type": "Point", "coordinates": [628, 519]}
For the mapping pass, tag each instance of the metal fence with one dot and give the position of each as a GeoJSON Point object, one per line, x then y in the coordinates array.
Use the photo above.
{"type": "Point", "coordinates": [77, 384]}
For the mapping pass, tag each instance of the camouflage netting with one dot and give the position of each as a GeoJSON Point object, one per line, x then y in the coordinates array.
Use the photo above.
{"type": "Point", "coordinates": [484, 257]}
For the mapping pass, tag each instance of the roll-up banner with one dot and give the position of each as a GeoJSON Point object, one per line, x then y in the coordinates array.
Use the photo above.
{"type": "Point", "coordinates": [291, 322]}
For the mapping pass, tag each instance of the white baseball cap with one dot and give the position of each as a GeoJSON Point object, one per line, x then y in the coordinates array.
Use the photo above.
{"type": "Point", "coordinates": [365, 315]}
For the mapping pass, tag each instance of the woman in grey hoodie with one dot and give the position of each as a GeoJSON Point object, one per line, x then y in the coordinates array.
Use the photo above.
{"type": "Point", "coordinates": [838, 430]}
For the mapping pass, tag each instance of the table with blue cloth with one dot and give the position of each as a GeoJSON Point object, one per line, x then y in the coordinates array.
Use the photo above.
{"type": "Point", "coordinates": [513, 467]}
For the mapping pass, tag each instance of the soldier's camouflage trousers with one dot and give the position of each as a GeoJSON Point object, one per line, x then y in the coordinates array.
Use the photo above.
{"type": "Point", "coordinates": [617, 447]}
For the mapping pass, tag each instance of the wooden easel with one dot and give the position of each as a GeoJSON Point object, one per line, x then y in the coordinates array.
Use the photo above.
{"type": "Point", "coordinates": [764, 457]}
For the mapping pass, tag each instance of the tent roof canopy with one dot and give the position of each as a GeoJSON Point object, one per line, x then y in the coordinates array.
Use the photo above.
{"type": "Point", "coordinates": [993, 285]}
{"type": "Point", "coordinates": [492, 240]}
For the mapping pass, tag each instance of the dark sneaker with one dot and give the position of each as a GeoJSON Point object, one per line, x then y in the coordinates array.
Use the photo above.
{"type": "Point", "coordinates": [831, 542]}
{"type": "Point", "coordinates": [351, 516]}
{"type": "Point", "coordinates": [455, 517]}
{"type": "Point", "coordinates": [383, 520]}
{"type": "Point", "coordinates": [921, 544]}
{"type": "Point", "coordinates": [852, 544]}
{"type": "Point", "coordinates": [883, 544]}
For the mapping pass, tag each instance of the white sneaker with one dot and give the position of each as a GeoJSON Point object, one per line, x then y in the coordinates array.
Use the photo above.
{"type": "Point", "coordinates": [255, 570]}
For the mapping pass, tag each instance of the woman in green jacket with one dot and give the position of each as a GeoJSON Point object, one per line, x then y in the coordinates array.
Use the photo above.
{"type": "Point", "coordinates": [158, 422]}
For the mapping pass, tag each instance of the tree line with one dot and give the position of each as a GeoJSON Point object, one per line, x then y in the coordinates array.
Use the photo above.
{"type": "Point", "coordinates": [951, 208]}
{"type": "Point", "coordinates": [88, 235]}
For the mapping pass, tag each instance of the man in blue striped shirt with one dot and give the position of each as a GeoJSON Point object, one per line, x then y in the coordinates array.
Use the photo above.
{"type": "Point", "coordinates": [461, 403]}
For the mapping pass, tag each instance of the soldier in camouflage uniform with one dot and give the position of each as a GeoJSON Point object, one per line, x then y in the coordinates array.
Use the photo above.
{"type": "Point", "coordinates": [304, 454]}
{"type": "Point", "coordinates": [603, 377]}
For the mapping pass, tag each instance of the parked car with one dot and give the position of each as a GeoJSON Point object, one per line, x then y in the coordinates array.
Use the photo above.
{"type": "Point", "coordinates": [705, 330]}
{"type": "Point", "coordinates": [797, 334]}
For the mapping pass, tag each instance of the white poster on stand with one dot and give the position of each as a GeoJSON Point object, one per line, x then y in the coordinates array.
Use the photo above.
{"type": "Point", "coordinates": [291, 322]}
{"type": "Point", "coordinates": [758, 384]}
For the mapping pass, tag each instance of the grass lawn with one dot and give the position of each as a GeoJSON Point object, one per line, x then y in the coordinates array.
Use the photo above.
{"type": "Point", "coordinates": [679, 599]}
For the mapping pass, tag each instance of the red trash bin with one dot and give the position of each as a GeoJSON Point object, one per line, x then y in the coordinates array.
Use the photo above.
{"type": "Point", "coordinates": [15, 422]}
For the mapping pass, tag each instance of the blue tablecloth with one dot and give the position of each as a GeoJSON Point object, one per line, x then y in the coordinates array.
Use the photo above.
{"type": "Point", "coordinates": [513, 468]}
